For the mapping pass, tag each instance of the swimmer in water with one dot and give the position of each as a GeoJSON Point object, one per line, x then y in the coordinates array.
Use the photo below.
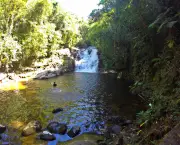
{"type": "Point", "coordinates": [54, 84]}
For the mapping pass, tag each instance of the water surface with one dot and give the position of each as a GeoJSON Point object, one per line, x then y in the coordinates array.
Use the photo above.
{"type": "Point", "coordinates": [88, 99]}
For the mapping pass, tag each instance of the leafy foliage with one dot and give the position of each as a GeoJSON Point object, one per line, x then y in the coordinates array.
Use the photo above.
{"type": "Point", "coordinates": [37, 28]}
{"type": "Point", "coordinates": [142, 38]}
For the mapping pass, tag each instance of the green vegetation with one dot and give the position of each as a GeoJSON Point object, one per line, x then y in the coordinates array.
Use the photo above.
{"type": "Point", "coordinates": [33, 29]}
{"type": "Point", "coordinates": [141, 38]}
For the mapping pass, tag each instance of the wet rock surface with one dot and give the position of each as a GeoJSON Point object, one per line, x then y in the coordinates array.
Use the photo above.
{"type": "Point", "coordinates": [74, 131]}
{"type": "Point", "coordinates": [31, 128]}
{"type": "Point", "coordinates": [62, 61]}
{"type": "Point", "coordinates": [46, 136]}
{"type": "Point", "coordinates": [56, 127]}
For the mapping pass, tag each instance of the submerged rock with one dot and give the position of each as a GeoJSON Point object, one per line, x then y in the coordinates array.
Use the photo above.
{"type": "Point", "coordinates": [84, 139]}
{"type": "Point", "coordinates": [52, 127]}
{"type": "Point", "coordinates": [31, 128]}
{"type": "Point", "coordinates": [74, 131]}
{"type": "Point", "coordinates": [2, 128]}
{"type": "Point", "coordinates": [57, 110]}
{"type": "Point", "coordinates": [46, 136]}
{"type": "Point", "coordinates": [56, 127]}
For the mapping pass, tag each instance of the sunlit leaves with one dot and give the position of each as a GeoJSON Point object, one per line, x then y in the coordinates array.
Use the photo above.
{"type": "Point", "coordinates": [38, 27]}
{"type": "Point", "coordinates": [171, 43]}
{"type": "Point", "coordinates": [10, 12]}
{"type": "Point", "coordinates": [39, 10]}
{"type": "Point", "coordinates": [10, 49]}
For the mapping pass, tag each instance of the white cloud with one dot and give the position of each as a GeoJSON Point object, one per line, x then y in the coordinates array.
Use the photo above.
{"type": "Point", "coordinates": [81, 8]}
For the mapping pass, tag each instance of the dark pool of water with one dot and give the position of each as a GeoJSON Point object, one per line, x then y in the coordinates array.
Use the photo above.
{"type": "Point", "coordinates": [88, 99]}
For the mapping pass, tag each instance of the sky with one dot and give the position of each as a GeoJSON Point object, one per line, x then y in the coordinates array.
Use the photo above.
{"type": "Point", "coordinates": [81, 8]}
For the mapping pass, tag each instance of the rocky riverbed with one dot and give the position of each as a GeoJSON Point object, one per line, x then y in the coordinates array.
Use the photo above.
{"type": "Point", "coordinates": [115, 134]}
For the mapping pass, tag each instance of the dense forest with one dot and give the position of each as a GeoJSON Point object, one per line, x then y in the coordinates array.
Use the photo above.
{"type": "Point", "coordinates": [140, 39]}
{"type": "Point", "coordinates": [32, 29]}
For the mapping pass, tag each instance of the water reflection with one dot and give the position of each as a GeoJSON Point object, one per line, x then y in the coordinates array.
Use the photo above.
{"type": "Point", "coordinates": [88, 101]}
{"type": "Point", "coordinates": [12, 85]}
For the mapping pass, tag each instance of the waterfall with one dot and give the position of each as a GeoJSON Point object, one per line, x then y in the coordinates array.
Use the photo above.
{"type": "Point", "coordinates": [87, 60]}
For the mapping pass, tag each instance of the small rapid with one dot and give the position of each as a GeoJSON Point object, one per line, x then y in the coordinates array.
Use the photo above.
{"type": "Point", "coordinates": [87, 60]}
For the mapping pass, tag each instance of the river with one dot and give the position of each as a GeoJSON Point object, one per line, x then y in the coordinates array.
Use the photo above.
{"type": "Point", "coordinates": [88, 100]}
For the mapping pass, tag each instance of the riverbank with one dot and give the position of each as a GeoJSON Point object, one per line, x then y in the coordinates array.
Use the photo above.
{"type": "Point", "coordinates": [60, 62]}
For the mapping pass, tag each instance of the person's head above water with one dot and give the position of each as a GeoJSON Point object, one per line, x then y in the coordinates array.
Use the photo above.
{"type": "Point", "coordinates": [54, 84]}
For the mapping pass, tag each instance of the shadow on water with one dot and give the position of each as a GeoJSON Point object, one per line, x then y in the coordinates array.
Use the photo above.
{"type": "Point", "coordinates": [88, 99]}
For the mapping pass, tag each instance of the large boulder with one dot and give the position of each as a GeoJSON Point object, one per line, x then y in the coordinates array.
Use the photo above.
{"type": "Point", "coordinates": [2, 128]}
{"type": "Point", "coordinates": [68, 65]}
{"type": "Point", "coordinates": [49, 74]}
{"type": "Point", "coordinates": [74, 131]}
{"type": "Point", "coordinates": [56, 127]}
{"type": "Point", "coordinates": [46, 75]}
{"type": "Point", "coordinates": [31, 128]}
{"type": "Point", "coordinates": [41, 74]}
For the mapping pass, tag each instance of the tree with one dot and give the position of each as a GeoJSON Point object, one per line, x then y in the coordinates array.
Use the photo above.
{"type": "Point", "coordinates": [38, 27]}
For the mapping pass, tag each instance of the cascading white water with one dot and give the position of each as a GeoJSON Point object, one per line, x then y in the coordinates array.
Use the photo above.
{"type": "Point", "coordinates": [87, 60]}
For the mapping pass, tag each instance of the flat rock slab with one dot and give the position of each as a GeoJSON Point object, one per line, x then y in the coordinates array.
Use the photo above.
{"type": "Point", "coordinates": [173, 137]}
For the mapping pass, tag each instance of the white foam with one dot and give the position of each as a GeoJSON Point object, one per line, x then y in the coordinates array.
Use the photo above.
{"type": "Point", "coordinates": [88, 61]}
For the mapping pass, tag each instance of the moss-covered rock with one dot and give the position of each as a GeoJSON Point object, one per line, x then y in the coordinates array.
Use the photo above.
{"type": "Point", "coordinates": [84, 139]}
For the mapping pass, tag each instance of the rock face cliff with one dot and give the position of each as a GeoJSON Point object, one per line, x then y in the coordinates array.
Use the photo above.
{"type": "Point", "coordinates": [61, 62]}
